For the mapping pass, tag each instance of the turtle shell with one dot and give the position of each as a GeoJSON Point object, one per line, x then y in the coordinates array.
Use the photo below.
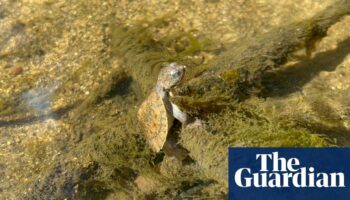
{"type": "Point", "coordinates": [155, 120]}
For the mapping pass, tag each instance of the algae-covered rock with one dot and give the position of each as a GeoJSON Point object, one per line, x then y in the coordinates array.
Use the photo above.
{"type": "Point", "coordinates": [247, 126]}
{"type": "Point", "coordinates": [237, 73]}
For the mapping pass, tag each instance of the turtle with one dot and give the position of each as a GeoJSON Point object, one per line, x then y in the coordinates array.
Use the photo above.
{"type": "Point", "coordinates": [157, 113]}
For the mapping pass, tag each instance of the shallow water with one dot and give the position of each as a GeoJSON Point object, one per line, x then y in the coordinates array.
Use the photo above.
{"type": "Point", "coordinates": [68, 99]}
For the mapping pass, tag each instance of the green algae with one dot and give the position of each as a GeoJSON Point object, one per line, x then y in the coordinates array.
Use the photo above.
{"type": "Point", "coordinates": [143, 54]}
{"type": "Point", "coordinates": [246, 126]}
{"type": "Point", "coordinates": [114, 148]}
{"type": "Point", "coordinates": [251, 58]}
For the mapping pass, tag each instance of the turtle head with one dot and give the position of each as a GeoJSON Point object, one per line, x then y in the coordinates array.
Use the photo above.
{"type": "Point", "coordinates": [170, 75]}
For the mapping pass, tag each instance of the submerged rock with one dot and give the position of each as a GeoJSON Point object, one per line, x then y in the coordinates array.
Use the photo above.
{"type": "Point", "coordinates": [237, 73]}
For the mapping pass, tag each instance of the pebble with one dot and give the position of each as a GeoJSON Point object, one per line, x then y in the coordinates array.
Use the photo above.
{"type": "Point", "coordinates": [17, 71]}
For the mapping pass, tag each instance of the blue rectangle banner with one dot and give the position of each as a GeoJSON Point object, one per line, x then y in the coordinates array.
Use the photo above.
{"type": "Point", "coordinates": [289, 173]}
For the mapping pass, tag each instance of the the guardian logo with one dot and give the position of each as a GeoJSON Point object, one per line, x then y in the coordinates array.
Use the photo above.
{"type": "Point", "coordinates": [285, 172]}
{"type": "Point", "coordinates": [289, 173]}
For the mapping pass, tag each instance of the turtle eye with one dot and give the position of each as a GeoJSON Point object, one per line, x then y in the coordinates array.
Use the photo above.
{"type": "Point", "coordinates": [175, 73]}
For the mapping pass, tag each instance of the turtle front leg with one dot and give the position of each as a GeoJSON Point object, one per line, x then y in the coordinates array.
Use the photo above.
{"type": "Point", "coordinates": [186, 120]}
{"type": "Point", "coordinates": [179, 115]}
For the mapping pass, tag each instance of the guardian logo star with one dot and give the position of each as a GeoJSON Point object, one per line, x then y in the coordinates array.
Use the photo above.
{"type": "Point", "coordinates": [289, 173]}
